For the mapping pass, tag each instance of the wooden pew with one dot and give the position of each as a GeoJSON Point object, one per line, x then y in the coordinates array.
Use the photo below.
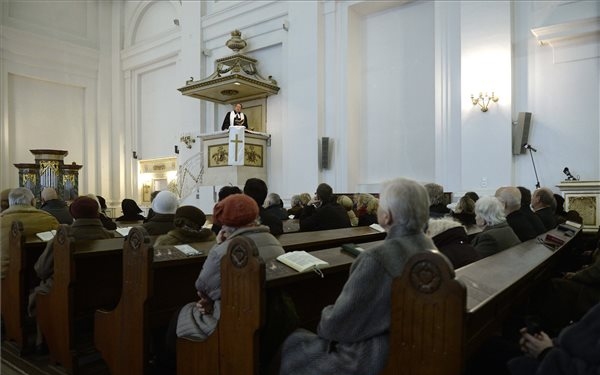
{"type": "Point", "coordinates": [494, 286]}
{"type": "Point", "coordinates": [20, 277]}
{"type": "Point", "coordinates": [87, 276]}
{"type": "Point", "coordinates": [324, 239]}
{"type": "Point", "coordinates": [155, 283]}
{"type": "Point", "coordinates": [425, 298]}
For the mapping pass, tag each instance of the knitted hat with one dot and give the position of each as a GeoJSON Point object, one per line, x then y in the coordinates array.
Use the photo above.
{"type": "Point", "coordinates": [236, 211]}
{"type": "Point", "coordinates": [165, 203]}
{"type": "Point", "coordinates": [189, 216]}
{"type": "Point", "coordinates": [84, 208]}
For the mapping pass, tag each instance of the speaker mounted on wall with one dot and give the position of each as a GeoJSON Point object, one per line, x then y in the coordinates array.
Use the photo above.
{"type": "Point", "coordinates": [520, 133]}
{"type": "Point", "coordinates": [325, 149]}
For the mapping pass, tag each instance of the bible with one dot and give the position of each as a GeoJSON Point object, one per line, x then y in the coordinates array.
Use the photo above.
{"type": "Point", "coordinates": [352, 249]}
{"type": "Point", "coordinates": [301, 261]}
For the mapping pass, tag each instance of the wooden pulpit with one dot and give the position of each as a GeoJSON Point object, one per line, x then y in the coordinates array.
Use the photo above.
{"type": "Point", "coordinates": [218, 168]}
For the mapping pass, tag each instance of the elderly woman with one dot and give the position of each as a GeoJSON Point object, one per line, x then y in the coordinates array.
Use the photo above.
{"type": "Point", "coordinates": [131, 211]}
{"type": "Point", "coordinates": [497, 235]}
{"type": "Point", "coordinates": [237, 214]}
{"type": "Point", "coordinates": [353, 334]}
{"type": "Point", "coordinates": [346, 202]}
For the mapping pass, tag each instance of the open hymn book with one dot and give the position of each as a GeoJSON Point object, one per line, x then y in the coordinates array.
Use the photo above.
{"type": "Point", "coordinates": [301, 261]}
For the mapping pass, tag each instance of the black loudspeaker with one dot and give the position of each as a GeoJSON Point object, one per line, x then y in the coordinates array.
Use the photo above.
{"type": "Point", "coordinates": [325, 153]}
{"type": "Point", "coordinates": [520, 133]}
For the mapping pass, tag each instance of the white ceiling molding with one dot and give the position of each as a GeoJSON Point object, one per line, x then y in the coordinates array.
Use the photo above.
{"type": "Point", "coordinates": [571, 41]}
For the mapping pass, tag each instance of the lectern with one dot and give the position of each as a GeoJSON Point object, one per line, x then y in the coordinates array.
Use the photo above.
{"type": "Point", "coordinates": [583, 197]}
{"type": "Point", "coordinates": [217, 167]}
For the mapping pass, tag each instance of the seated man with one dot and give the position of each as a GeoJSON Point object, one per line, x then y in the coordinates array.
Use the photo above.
{"type": "Point", "coordinates": [323, 212]}
{"type": "Point", "coordinates": [56, 207]}
{"type": "Point", "coordinates": [22, 208]}
{"type": "Point", "coordinates": [525, 209]}
{"type": "Point", "coordinates": [274, 205]}
{"type": "Point", "coordinates": [353, 334]}
{"type": "Point", "coordinates": [521, 224]}
{"type": "Point", "coordinates": [544, 205]}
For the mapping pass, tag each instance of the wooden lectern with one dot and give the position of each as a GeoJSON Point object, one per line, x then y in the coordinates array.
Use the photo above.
{"type": "Point", "coordinates": [583, 197]}
{"type": "Point", "coordinates": [218, 171]}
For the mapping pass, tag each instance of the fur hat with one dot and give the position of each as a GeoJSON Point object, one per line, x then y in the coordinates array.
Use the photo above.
{"type": "Point", "coordinates": [165, 203]}
{"type": "Point", "coordinates": [236, 211]}
{"type": "Point", "coordinates": [189, 216]}
{"type": "Point", "coordinates": [84, 208]}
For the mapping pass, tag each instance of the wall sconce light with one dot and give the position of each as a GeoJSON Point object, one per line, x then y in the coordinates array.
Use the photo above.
{"type": "Point", "coordinates": [188, 140]}
{"type": "Point", "coordinates": [484, 100]}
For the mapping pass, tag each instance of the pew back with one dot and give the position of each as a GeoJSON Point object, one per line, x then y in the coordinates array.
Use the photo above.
{"type": "Point", "coordinates": [20, 277]}
{"type": "Point", "coordinates": [87, 276]}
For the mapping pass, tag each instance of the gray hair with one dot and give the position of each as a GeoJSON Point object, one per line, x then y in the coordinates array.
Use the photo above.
{"type": "Point", "coordinates": [491, 210]}
{"type": "Point", "coordinates": [21, 195]}
{"type": "Point", "coordinates": [272, 199]}
{"type": "Point", "coordinates": [295, 200]}
{"type": "Point", "coordinates": [49, 193]}
{"type": "Point", "coordinates": [510, 196]}
{"type": "Point", "coordinates": [435, 192]}
{"type": "Point", "coordinates": [407, 203]}
{"type": "Point", "coordinates": [546, 197]}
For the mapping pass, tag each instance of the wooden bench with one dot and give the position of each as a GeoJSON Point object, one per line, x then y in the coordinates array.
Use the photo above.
{"type": "Point", "coordinates": [324, 239]}
{"type": "Point", "coordinates": [87, 276]}
{"type": "Point", "coordinates": [155, 283]}
{"type": "Point", "coordinates": [430, 342]}
{"type": "Point", "coordinates": [20, 278]}
{"type": "Point", "coordinates": [427, 286]}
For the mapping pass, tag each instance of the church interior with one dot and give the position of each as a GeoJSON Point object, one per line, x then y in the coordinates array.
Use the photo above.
{"type": "Point", "coordinates": [131, 96]}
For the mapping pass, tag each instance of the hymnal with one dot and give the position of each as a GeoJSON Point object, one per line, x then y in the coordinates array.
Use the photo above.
{"type": "Point", "coordinates": [301, 261]}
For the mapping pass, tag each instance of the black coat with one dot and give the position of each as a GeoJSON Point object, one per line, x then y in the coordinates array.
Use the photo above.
{"type": "Point", "coordinates": [524, 227]}
{"type": "Point", "coordinates": [454, 244]}
{"type": "Point", "coordinates": [273, 222]}
{"type": "Point", "coordinates": [548, 218]}
{"type": "Point", "coordinates": [160, 224]}
{"type": "Point", "coordinates": [227, 121]}
{"type": "Point", "coordinates": [59, 210]}
{"type": "Point", "coordinates": [328, 216]}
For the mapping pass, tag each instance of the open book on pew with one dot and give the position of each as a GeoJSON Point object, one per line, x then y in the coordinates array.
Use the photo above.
{"type": "Point", "coordinates": [302, 261]}
{"type": "Point", "coordinates": [46, 236]}
{"type": "Point", "coordinates": [377, 227]}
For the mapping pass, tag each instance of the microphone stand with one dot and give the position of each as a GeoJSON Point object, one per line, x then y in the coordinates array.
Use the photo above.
{"type": "Point", "coordinates": [537, 181]}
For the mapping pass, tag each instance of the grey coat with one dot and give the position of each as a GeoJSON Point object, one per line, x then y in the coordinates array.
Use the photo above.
{"type": "Point", "coordinates": [191, 322]}
{"type": "Point", "coordinates": [352, 336]}
{"type": "Point", "coordinates": [495, 238]}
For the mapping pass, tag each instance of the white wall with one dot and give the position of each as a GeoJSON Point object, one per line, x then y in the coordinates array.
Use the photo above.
{"type": "Point", "coordinates": [345, 69]}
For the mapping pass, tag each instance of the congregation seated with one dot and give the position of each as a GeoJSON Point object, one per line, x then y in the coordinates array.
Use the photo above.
{"type": "Point", "coordinates": [86, 226]}
{"type": "Point", "coordinates": [131, 211]}
{"type": "Point", "coordinates": [224, 192]}
{"type": "Point", "coordinates": [450, 237]}
{"type": "Point", "coordinates": [437, 200]}
{"type": "Point", "coordinates": [274, 205]}
{"type": "Point", "coordinates": [22, 208]}
{"type": "Point", "coordinates": [346, 202]}
{"type": "Point", "coordinates": [521, 224]}
{"type": "Point", "coordinates": [525, 209]}
{"type": "Point", "coordinates": [544, 206]}
{"type": "Point", "coordinates": [323, 212]}
{"type": "Point", "coordinates": [465, 211]}
{"type": "Point", "coordinates": [353, 334]}
{"type": "Point", "coordinates": [164, 205]}
{"type": "Point", "coordinates": [107, 222]}
{"type": "Point", "coordinates": [361, 202]}
{"type": "Point", "coordinates": [257, 190]}
{"type": "Point", "coordinates": [298, 202]}
{"type": "Point", "coordinates": [54, 206]}
{"type": "Point", "coordinates": [188, 228]}
{"type": "Point", "coordinates": [370, 216]}
{"type": "Point", "coordinates": [238, 214]}
{"type": "Point", "coordinates": [497, 235]}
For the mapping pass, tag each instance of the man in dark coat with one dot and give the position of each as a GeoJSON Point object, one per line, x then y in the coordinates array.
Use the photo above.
{"type": "Point", "coordinates": [525, 209]}
{"type": "Point", "coordinates": [521, 224]}
{"type": "Point", "coordinates": [56, 207]}
{"type": "Point", "coordinates": [323, 212]}
{"type": "Point", "coordinates": [544, 205]}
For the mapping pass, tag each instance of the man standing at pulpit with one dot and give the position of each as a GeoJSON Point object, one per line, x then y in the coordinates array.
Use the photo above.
{"type": "Point", "coordinates": [235, 118]}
